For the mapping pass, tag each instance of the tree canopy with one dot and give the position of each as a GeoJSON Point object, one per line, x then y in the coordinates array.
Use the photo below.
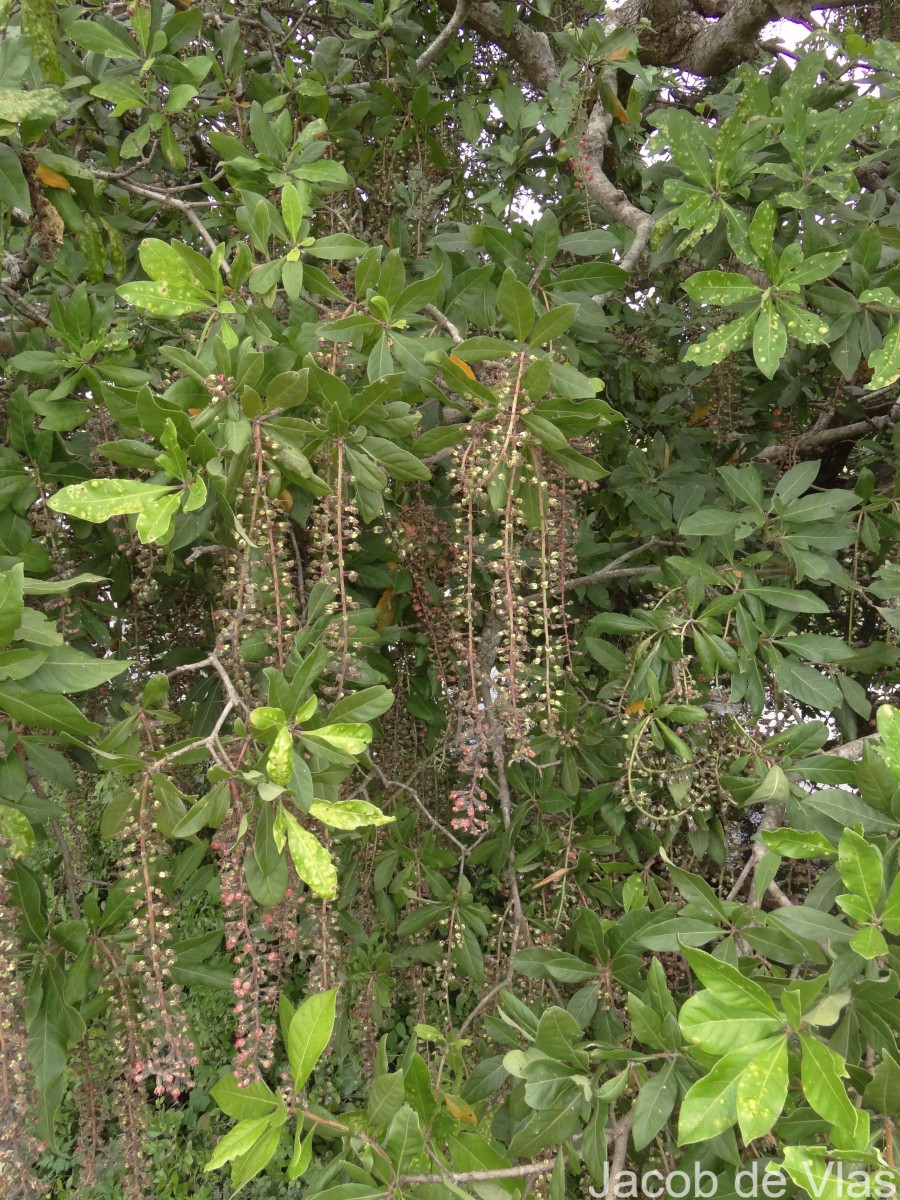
{"type": "Point", "coordinates": [448, 600]}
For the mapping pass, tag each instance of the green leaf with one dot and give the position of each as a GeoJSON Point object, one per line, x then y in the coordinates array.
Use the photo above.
{"type": "Point", "coordinates": [516, 304]}
{"type": "Point", "coordinates": [65, 669]}
{"type": "Point", "coordinates": [100, 39]}
{"type": "Point", "coordinates": [348, 738]}
{"type": "Point", "coordinates": [13, 185]}
{"type": "Point", "coordinates": [717, 1027]}
{"type": "Point", "coordinates": [12, 587]}
{"type": "Point", "coordinates": [41, 104]}
{"type": "Point", "coordinates": [728, 985]}
{"type": "Point", "coordinates": [869, 942]}
{"type": "Point", "coordinates": [685, 135]}
{"type": "Point", "coordinates": [253, 1161]}
{"type": "Point", "coordinates": [337, 245]}
{"type": "Point", "coordinates": [552, 324]}
{"type": "Point", "coordinates": [808, 685]}
{"type": "Point", "coordinates": [820, 266]}
{"type": "Point", "coordinates": [386, 1096]}
{"type": "Point", "coordinates": [802, 324]}
{"type": "Point", "coordinates": [792, 844]}
{"type": "Point", "coordinates": [790, 599]}
{"type": "Point", "coordinates": [769, 340]}
{"type": "Point", "coordinates": [654, 1105]}
{"type": "Point", "coordinates": [99, 499]}
{"type": "Point", "coordinates": [722, 341]}
{"type": "Point", "coordinates": [821, 1072]}
{"type": "Point", "coordinates": [811, 924]}
{"type": "Point", "coordinates": [253, 1101]}
{"type": "Point", "coordinates": [721, 287]}
{"type": "Point", "coordinates": [745, 484]}
{"type": "Point", "coordinates": [885, 363]}
{"type": "Point", "coordinates": [774, 789]}
{"type": "Point", "coordinates": [890, 914]}
{"type": "Point", "coordinates": [16, 829]}
{"type": "Point", "coordinates": [302, 1156]}
{"type": "Point", "coordinates": [404, 1140]}
{"type": "Point", "coordinates": [166, 299]}
{"type": "Point", "coordinates": [709, 1107]}
{"type": "Point", "coordinates": [310, 1032]}
{"type": "Point", "coordinates": [710, 522]}
{"type": "Point", "coordinates": [44, 710]}
{"type": "Point", "coordinates": [540, 963]}
{"type": "Point", "coordinates": [761, 231]}
{"type": "Point", "coordinates": [154, 523]}
{"type": "Point", "coordinates": [762, 1091]}
{"type": "Point", "coordinates": [237, 1141]}
{"type": "Point", "coordinates": [860, 867]}
{"type": "Point", "coordinates": [364, 705]}
{"type": "Point", "coordinates": [883, 1093]}
{"type": "Point", "coordinates": [399, 462]}
{"type": "Point", "coordinates": [162, 262]}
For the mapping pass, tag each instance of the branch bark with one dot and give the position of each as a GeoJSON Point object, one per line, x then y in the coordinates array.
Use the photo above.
{"type": "Point", "coordinates": [450, 30]}
{"type": "Point", "coordinates": [602, 189]}
{"type": "Point", "coordinates": [809, 444]}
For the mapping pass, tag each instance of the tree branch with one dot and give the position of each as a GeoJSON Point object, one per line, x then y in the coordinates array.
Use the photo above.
{"type": "Point", "coordinates": [601, 188]}
{"type": "Point", "coordinates": [450, 30]}
{"type": "Point", "coordinates": [530, 49]}
{"type": "Point", "coordinates": [808, 444]}
{"type": "Point", "coordinates": [522, 1171]}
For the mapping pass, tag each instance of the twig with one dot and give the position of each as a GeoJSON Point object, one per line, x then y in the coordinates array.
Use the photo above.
{"type": "Point", "coordinates": [772, 819]}
{"type": "Point", "coordinates": [185, 207]}
{"type": "Point", "coordinates": [450, 30]}
{"type": "Point", "coordinates": [433, 821]}
{"type": "Point", "coordinates": [612, 570]}
{"type": "Point", "coordinates": [26, 309]}
{"type": "Point", "coordinates": [522, 1171]}
{"type": "Point", "coordinates": [620, 1150]}
{"type": "Point", "coordinates": [445, 323]}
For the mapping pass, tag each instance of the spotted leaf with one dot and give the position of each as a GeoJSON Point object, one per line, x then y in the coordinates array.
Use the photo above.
{"type": "Point", "coordinates": [99, 499]}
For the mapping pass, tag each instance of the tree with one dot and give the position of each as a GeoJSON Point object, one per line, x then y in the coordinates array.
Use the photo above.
{"type": "Point", "coordinates": [447, 589]}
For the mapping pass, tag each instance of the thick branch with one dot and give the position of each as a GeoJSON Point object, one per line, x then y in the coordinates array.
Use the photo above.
{"type": "Point", "coordinates": [675, 35]}
{"type": "Point", "coordinates": [450, 30]}
{"type": "Point", "coordinates": [809, 444]}
{"type": "Point", "coordinates": [530, 49]}
{"type": "Point", "coordinates": [601, 188]}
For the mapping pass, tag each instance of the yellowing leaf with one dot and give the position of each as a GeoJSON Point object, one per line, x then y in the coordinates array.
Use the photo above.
{"type": "Point", "coordinates": [611, 102]}
{"type": "Point", "coordinates": [385, 609]}
{"type": "Point", "coordinates": [459, 1109]}
{"type": "Point", "coordinates": [635, 708]}
{"type": "Point", "coordinates": [463, 366]}
{"type": "Point", "coordinates": [50, 178]}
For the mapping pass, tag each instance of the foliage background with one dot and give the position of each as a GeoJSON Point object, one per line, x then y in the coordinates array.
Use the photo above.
{"type": "Point", "coordinates": [447, 533]}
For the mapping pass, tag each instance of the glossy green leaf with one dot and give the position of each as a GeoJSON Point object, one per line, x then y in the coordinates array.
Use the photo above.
{"type": "Point", "coordinates": [309, 1033]}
